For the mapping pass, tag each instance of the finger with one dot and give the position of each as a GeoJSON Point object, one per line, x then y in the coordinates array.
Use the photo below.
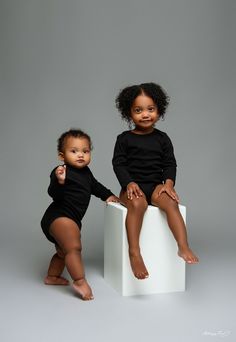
{"type": "Point", "coordinates": [129, 194]}
{"type": "Point", "coordinates": [140, 193]}
{"type": "Point", "coordinates": [136, 192]}
{"type": "Point", "coordinates": [161, 191]}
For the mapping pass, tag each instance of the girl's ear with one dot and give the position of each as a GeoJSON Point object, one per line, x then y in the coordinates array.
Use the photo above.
{"type": "Point", "coordinates": [61, 156]}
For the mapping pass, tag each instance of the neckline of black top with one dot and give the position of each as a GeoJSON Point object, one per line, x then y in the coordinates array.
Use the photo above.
{"type": "Point", "coordinates": [145, 134]}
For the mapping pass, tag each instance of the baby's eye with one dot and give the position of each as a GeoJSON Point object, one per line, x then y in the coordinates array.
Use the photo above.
{"type": "Point", "coordinates": [151, 109]}
{"type": "Point", "coordinates": [73, 151]}
{"type": "Point", "coordinates": [86, 151]}
{"type": "Point", "coordinates": [137, 110]}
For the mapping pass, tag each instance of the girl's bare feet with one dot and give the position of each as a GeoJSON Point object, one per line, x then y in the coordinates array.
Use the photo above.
{"type": "Point", "coordinates": [188, 255]}
{"type": "Point", "coordinates": [83, 289]}
{"type": "Point", "coordinates": [54, 280]}
{"type": "Point", "coordinates": [138, 266]}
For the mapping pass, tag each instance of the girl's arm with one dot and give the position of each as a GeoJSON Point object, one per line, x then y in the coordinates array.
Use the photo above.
{"type": "Point", "coordinates": [169, 163]}
{"type": "Point", "coordinates": [119, 162]}
{"type": "Point", "coordinates": [169, 169]}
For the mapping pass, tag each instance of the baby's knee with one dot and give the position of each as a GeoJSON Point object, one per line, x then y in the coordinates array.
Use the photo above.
{"type": "Point", "coordinates": [60, 253]}
{"type": "Point", "coordinates": [73, 248]}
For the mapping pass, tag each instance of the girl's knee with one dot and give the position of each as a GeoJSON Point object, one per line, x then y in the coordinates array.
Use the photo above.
{"type": "Point", "coordinates": [166, 203]}
{"type": "Point", "coordinates": [171, 205]}
{"type": "Point", "coordinates": [138, 204]}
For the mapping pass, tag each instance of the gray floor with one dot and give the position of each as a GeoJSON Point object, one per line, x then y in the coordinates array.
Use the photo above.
{"type": "Point", "coordinates": [34, 312]}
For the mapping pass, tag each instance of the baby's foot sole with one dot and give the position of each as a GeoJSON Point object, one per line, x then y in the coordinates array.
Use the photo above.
{"type": "Point", "coordinates": [188, 256]}
{"type": "Point", "coordinates": [83, 289]}
{"type": "Point", "coordinates": [54, 280]}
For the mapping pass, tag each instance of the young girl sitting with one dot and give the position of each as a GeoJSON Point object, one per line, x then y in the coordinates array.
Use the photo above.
{"type": "Point", "coordinates": [145, 166]}
{"type": "Point", "coordinates": [71, 187]}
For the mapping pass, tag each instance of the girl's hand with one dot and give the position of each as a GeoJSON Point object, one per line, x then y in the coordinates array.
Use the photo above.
{"type": "Point", "coordinates": [133, 190]}
{"type": "Point", "coordinates": [167, 188]}
{"type": "Point", "coordinates": [61, 174]}
{"type": "Point", "coordinates": [112, 198]}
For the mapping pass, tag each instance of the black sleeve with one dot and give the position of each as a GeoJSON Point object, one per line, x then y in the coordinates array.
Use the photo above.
{"type": "Point", "coordinates": [100, 190]}
{"type": "Point", "coordinates": [55, 190]}
{"type": "Point", "coordinates": [169, 162]}
{"type": "Point", "coordinates": [119, 162]}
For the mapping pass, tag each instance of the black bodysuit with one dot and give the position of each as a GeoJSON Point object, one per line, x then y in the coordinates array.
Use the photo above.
{"type": "Point", "coordinates": [146, 159]}
{"type": "Point", "coordinates": [72, 198]}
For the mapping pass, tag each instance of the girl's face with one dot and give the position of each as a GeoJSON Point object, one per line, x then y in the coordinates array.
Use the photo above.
{"type": "Point", "coordinates": [144, 114]}
{"type": "Point", "coordinates": [76, 152]}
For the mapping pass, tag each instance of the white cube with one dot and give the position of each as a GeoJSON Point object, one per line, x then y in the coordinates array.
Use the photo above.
{"type": "Point", "coordinates": [158, 247]}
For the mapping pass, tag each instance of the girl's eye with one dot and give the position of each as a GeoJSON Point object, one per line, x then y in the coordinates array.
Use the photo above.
{"type": "Point", "coordinates": [73, 151]}
{"type": "Point", "coordinates": [137, 110]}
{"type": "Point", "coordinates": [151, 109]}
{"type": "Point", "coordinates": [86, 151]}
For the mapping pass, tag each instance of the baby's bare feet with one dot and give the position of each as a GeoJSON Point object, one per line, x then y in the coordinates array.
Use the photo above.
{"type": "Point", "coordinates": [83, 289]}
{"type": "Point", "coordinates": [187, 254]}
{"type": "Point", "coordinates": [54, 280]}
{"type": "Point", "coordinates": [138, 266]}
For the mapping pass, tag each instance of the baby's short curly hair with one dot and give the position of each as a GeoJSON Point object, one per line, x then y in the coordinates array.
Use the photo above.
{"type": "Point", "coordinates": [73, 132]}
{"type": "Point", "coordinates": [127, 96]}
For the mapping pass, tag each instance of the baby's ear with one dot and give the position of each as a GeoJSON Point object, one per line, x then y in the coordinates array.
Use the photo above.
{"type": "Point", "coordinates": [61, 156]}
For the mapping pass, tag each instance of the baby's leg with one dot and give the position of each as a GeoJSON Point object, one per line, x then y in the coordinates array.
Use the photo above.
{"type": "Point", "coordinates": [67, 234]}
{"type": "Point", "coordinates": [176, 224]}
{"type": "Point", "coordinates": [55, 269]}
{"type": "Point", "coordinates": [135, 211]}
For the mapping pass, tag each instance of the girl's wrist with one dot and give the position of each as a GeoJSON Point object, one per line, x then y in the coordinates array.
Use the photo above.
{"type": "Point", "coordinates": [169, 182]}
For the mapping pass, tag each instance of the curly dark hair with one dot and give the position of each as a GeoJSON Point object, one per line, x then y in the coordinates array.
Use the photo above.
{"type": "Point", "coordinates": [73, 132]}
{"type": "Point", "coordinates": [127, 96]}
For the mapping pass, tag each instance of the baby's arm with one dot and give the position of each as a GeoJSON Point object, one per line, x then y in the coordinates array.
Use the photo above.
{"type": "Point", "coordinates": [99, 190]}
{"type": "Point", "coordinates": [60, 173]}
{"type": "Point", "coordinates": [56, 188]}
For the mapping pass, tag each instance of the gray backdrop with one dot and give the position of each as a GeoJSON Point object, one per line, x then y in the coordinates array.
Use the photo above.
{"type": "Point", "coordinates": [62, 65]}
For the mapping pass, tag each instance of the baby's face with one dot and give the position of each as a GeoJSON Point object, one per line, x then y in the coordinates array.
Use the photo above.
{"type": "Point", "coordinates": [77, 152]}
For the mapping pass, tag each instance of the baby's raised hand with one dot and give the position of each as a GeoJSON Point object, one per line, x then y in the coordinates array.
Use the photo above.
{"type": "Point", "coordinates": [61, 174]}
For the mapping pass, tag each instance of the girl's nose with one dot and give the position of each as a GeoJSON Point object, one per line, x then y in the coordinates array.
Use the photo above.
{"type": "Point", "coordinates": [145, 114]}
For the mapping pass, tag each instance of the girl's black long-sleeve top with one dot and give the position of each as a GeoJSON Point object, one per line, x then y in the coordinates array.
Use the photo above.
{"type": "Point", "coordinates": [144, 158]}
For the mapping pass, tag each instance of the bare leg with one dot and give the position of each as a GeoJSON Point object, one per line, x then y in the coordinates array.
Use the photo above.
{"type": "Point", "coordinates": [67, 234]}
{"type": "Point", "coordinates": [176, 224]}
{"type": "Point", "coordinates": [135, 211]}
{"type": "Point", "coordinates": [55, 270]}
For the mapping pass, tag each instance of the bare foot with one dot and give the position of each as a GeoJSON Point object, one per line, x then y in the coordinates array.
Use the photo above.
{"type": "Point", "coordinates": [188, 255]}
{"type": "Point", "coordinates": [54, 280]}
{"type": "Point", "coordinates": [138, 266]}
{"type": "Point", "coordinates": [83, 289]}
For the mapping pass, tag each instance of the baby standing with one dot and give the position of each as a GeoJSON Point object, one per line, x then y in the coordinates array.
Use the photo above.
{"type": "Point", "coordinates": [71, 187]}
{"type": "Point", "coordinates": [145, 166]}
